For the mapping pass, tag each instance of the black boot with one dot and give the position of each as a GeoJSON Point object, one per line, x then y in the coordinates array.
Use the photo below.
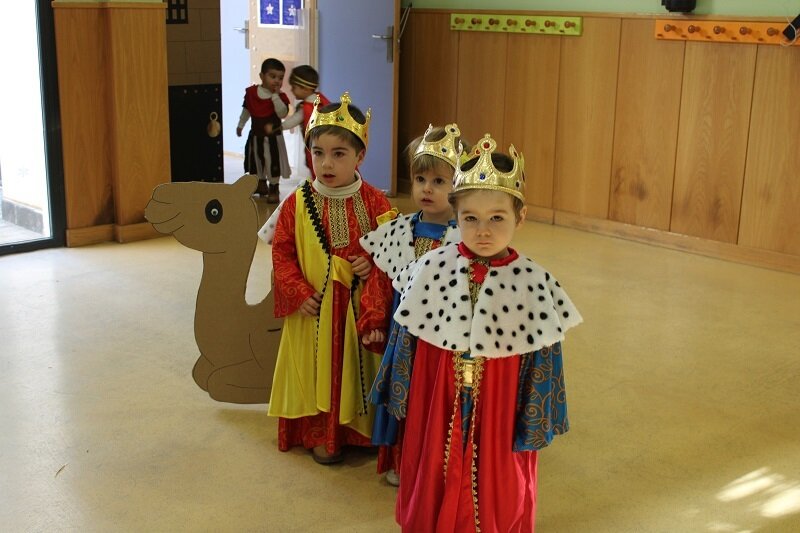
{"type": "Point", "coordinates": [263, 188]}
{"type": "Point", "coordinates": [273, 196]}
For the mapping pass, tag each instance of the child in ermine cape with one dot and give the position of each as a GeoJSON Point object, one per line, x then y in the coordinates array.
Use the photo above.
{"type": "Point", "coordinates": [488, 384]}
{"type": "Point", "coordinates": [433, 160]}
{"type": "Point", "coordinates": [335, 310]}
{"type": "Point", "coordinates": [265, 150]}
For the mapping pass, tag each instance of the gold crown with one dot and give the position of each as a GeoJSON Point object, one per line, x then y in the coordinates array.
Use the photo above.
{"type": "Point", "coordinates": [484, 175]}
{"type": "Point", "coordinates": [448, 148]}
{"type": "Point", "coordinates": [340, 117]}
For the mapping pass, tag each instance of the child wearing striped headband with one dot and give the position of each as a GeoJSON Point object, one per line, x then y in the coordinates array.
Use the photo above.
{"type": "Point", "coordinates": [304, 81]}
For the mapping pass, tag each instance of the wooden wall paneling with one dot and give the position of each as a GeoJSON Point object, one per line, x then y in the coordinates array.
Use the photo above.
{"type": "Point", "coordinates": [90, 235]}
{"type": "Point", "coordinates": [407, 114]}
{"type": "Point", "coordinates": [138, 58]}
{"type": "Point", "coordinates": [684, 243]}
{"type": "Point", "coordinates": [586, 103]}
{"type": "Point", "coordinates": [84, 99]}
{"type": "Point", "coordinates": [482, 85]}
{"type": "Point", "coordinates": [428, 70]}
{"type": "Point", "coordinates": [770, 217]}
{"type": "Point", "coordinates": [531, 104]}
{"type": "Point", "coordinates": [712, 139]}
{"type": "Point", "coordinates": [646, 126]}
{"type": "Point", "coordinates": [435, 76]}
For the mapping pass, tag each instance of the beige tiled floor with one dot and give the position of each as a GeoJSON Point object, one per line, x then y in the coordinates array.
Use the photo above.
{"type": "Point", "coordinates": [683, 395]}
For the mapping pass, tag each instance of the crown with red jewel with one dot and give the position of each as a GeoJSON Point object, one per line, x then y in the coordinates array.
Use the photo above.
{"type": "Point", "coordinates": [340, 117]}
{"type": "Point", "coordinates": [448, 148]}
{"type": "Point", "coordinates": [485, 176]}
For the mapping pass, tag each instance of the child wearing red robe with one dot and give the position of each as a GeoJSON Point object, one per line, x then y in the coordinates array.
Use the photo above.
{"type": "Point", "coordinates": [336, 307]}
{"type": "Point", "coordinates": [488, 386]}
{"type": "Point", "coordinates": [433, 158]}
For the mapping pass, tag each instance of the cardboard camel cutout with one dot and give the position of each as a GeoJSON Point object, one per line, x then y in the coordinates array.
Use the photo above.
{"type": "Point", "coordinates": [238, 342]}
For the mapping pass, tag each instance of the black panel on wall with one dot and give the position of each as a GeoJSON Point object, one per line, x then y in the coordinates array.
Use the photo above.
{"type": "Point", "coordinates": [194, 154]}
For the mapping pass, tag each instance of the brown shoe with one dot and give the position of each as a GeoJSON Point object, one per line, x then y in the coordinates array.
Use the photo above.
{"type": "Point", "coordinates": [273, 196]}
{"type": "Point", "coordinates": [322, 457]}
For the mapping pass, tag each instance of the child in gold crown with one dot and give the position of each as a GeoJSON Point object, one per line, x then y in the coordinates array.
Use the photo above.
{"type": "Point", "coordinates": [335, 311]}
{"type": "Point", "coordinates": [488, 383]}
{"type": "Point", "coordinates": [433, 160]}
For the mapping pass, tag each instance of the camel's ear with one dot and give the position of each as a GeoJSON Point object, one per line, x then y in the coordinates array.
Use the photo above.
{"type": "Point", "coordinates": [247, 183]}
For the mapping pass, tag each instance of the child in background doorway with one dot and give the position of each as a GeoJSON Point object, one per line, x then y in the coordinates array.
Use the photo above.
{"type": "Point", "coordinates": [335, 308]}
{"type": "Point", "coordinates": [488, 383]}
{"type": "Point", "coordinates": [433, 160]}
{"type": "Point", "coordinates": [304, 81]}
{"type": "Point", "coordinates": [265, 150]}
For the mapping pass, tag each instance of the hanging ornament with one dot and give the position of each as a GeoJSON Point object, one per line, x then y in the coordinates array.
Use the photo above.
{"type": "Point", "coordinates": [214, 127]}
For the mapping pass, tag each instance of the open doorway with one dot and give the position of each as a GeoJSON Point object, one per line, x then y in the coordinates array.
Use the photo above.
{"type": "Point", "coordinates": [27, 107]}
{"type": "Point", "coordinates": [251, 31]}
{"type": "Point", "coordinates": [354, 50]}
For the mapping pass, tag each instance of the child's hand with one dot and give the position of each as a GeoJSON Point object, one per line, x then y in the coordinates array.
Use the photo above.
{"type": "Point", "coordinates": [238, 132]}
{"type": "Point", "coordinates": [311, 306]}
{"type": "Point", "coordinates": [268, 129]}
{"type": "Point", "coordinates": [361, 265]}
{"type": "Point", "coordinates": [375, 335]}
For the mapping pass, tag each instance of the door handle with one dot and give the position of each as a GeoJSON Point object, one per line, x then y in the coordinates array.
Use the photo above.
{"type": "Point", "coordinates": [246, 31]}
{"type": "Point", "coordinates": [389, 38]}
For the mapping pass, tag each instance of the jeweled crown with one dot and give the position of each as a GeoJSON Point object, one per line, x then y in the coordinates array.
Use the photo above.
{"type": "Point", "coordinates": [484, 175]}
{"type": "Point", "coordinates": [340, 117]}
{"type": "Point", "coordinates": [448, 148]}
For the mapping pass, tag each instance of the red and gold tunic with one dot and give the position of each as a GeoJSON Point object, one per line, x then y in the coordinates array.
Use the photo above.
{"type": "Point", "coordinates": [323, 374]}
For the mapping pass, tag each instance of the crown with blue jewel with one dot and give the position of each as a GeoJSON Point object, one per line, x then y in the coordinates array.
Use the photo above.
{"type": "Point", "coordinates": [485, 176]}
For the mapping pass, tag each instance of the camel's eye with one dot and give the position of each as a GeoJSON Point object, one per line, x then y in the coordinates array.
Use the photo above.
{"type": "Point", "coordinates": [214, 211]}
